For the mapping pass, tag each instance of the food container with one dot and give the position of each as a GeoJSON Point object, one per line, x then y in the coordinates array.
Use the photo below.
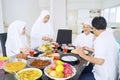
{"type": "Point", "coordinates": [40, 62]}
{"type": "Point", "coordinates": [53, 74]}
{"type": "Point", "coordinates": [28, 74]}
{"type": "Point", "coordinates": [70, 58]}
{"type": "Point", "coordinates": [15, 65]}
{"type": "Point", "coordinates": [3, 61]}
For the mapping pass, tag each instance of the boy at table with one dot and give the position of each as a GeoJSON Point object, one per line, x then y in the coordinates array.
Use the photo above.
{"type": "Point", "coordinates": [105, 53]}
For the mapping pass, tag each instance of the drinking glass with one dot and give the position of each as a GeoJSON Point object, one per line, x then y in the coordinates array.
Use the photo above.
{"type": "Point", "coordinates": [31, 52]}
{"type": "Point", "coordinates": [65, 49]}
{"type": "Point", "coordinates": [56, 47]}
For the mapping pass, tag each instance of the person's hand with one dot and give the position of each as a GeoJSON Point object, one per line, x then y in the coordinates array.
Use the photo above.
{"type": "Point", "coordinates": [45, 38]}
{"type": "Point", "coordinates": [22, 56]}
{"type": "Point", "coordinates": [50, 39]}
{"type": "Point", "coordinates": [88, 49]}
{"type": "Point", "coordinates": [25, 50]}
{"type": "Point", "coordinates": [80, 51]}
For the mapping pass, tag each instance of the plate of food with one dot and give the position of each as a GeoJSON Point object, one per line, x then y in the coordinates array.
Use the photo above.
{"type": "Point", "coordinates": [28, 74]}
{"type": "Point", "coordinates": [47, 54]}
{"type": "Point", "coordinates": [15, 65]}
{"type": "Point", "coordinates": [40, 62]}
{"type": "Point", "coordinates": [85, 51]}
{"type": "Point", "coordinates": [45, 47]}
{"type": "Point", "coordinates": [60, 70]}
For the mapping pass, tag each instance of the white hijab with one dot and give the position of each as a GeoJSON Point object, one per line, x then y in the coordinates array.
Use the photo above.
{"type": "Point", "coordinates": [41, 29]}
{"type": "Point", "coordinates": [15, 38]}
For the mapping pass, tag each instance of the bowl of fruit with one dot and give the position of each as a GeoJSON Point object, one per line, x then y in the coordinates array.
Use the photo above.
{"type": "Point", "coordinates": [59, 70]}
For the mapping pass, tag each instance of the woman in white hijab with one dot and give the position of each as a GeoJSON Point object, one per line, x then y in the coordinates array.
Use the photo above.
{"type": "Point", "coordinates": [16, 38]}
{"type": "Point", "coordinates": [42, 30]}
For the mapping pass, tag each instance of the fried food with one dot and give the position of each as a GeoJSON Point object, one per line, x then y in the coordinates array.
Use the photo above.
{"type": "Point", "coordinates": [40, 63]}
{"type": "Point", "coordinates": [22, 56]}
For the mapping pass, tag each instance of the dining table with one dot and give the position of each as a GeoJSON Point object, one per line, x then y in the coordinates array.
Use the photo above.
{"type": "Point", "coordinates": [79, 66]}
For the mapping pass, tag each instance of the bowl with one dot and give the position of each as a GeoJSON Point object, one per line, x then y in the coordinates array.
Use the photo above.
{"type": "Point", "coordinates": [3, 61]}
{"type": "Point", "coordinates": [15, 65]}
{"type": "Point", "coordinates": [47, 54]}
{"type": "Point", "coordinates": [29, 74]}
{"type": "Point", "coordinates": [46, 70]}
{"type": "Point", "coordinates": [45, 47]}
{"type": "Point", "coordinates": [40, 62]}
{"type": "Point", "coordinates": [70, 58]}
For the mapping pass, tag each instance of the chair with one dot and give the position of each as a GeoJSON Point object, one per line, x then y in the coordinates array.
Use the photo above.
{"type": "Point", "coordinates": [3, 37]}
{"type": "Point", "coordinates": [64, 36]}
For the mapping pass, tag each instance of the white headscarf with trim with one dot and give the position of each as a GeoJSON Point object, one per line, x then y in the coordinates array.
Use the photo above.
{"type": "Point", "coordinates": [41, 29]}
{"type": "Point", "coordinates": [15, 37]}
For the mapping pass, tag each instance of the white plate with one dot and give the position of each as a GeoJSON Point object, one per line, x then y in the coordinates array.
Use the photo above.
{"type": "Point", "coordinates": [45, 71]}
{"type": "Point", "coordinates": [69, 58]}
{"type": "Point", "coordinates": [71, 48]}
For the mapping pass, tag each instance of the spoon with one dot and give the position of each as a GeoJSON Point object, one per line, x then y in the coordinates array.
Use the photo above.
{"type": "Point", "coordinates": [17, 76]}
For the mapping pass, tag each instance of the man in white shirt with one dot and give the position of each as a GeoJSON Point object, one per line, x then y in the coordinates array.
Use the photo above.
{"type": "Point", "coordinates": [105, 51]}
{"type": "Point", "coordinates": [84, 39]}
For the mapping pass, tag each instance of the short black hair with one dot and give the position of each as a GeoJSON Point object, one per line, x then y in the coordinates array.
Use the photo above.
{"type": "Point", "coordinates": [99, 23]}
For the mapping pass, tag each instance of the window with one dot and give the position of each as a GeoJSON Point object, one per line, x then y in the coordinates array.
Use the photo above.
{"type": "Point", "coordinates": [112, 13]}
{"type": "Point", "coordinates": [118, 15]}
{"type": "Point", "coordinates": [102, 13]}
{"type": "Point", "coordinates": [106, 14]}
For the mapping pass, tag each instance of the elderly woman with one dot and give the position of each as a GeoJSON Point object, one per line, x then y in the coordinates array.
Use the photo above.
{"type": "Point", "coordinates": [85, 38]}
{"type": "Point", "coordinates": [42, 30]}
{"type": "Point", "coordinates": [16, 39]}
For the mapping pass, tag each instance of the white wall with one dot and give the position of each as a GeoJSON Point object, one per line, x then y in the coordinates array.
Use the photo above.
{"type": "Point", "coordinates": [82, 7]}
{"type": "Point", "coordinates": [1, 19]}
{"type": "Point", "coordinates": [44, 4]}
{"type": "Point", "coordinates": [58, 14]}
{"type": "Point", "coordinates": [110, 3]}
{"type": "Point", "coordinates": [84, 4]}
{"type": "Point", "coordinates": [29, 10]}
{"type": "Point", "coordinates": [26, 10]}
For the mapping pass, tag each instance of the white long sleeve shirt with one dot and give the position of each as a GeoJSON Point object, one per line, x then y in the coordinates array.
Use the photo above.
{"type": "Point", "coordinates": [105, 47]}
{"type": "Point", "coordinates": [84, 40]}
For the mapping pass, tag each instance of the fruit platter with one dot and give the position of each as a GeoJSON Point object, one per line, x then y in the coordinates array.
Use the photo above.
{"type": "Point", "coordinates": [59, 70]}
